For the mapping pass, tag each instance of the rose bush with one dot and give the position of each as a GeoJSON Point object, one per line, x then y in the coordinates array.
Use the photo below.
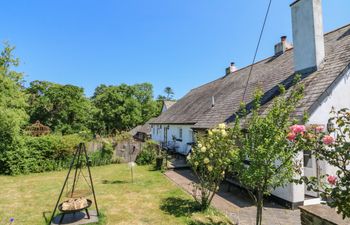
{"type": "Point", "coordinates": [334, 148]}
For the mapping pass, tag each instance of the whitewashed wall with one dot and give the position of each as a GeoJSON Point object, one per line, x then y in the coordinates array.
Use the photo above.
{"type": "Point", "coordinates": [157, 133]}
{"type": "Point", "coordinates": [338, 98]}
{"type": "Point", "coordinates": [291, 192]}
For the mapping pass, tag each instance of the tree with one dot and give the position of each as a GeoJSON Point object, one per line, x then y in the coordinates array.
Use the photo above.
{"type": "Point", "coordinates": [144, 94]}
{"type": "Point", "coordinates": [12, 109]}
{"type": "Point", "coordinates": [122, 107]}
{"type": "Point", "coordinates": [333, 147]}
{"type": "Point", "coordinates": [64, 108]}
{"type": "Point", "coordinates": [266, 157]}
{"type": "Point", "coordinates": [210, 159]}
{"type": "Point", "coordinates": [169, 94]}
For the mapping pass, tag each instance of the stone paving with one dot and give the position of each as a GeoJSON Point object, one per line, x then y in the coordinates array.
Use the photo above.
{"type": "Point", "coordinates": [76, 218]}
{"type": "Point", "coordinates": [237, 205]}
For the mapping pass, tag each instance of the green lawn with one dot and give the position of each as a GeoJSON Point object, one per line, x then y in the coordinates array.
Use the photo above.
{"type": "Point", "coordinates": [151, 199]}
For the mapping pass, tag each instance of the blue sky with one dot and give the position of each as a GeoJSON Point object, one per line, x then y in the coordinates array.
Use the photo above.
{"type": "Point", "coordinates": [177, 43]}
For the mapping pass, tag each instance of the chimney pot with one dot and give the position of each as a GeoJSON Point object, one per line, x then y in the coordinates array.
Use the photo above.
{"type": "Point", "coordinates": [283, 46]}
{"type": "Point", "coordinates": [232, 68]}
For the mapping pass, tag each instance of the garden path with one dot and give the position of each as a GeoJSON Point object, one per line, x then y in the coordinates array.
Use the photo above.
{"type": "Point", "coordinates": [237, 205]}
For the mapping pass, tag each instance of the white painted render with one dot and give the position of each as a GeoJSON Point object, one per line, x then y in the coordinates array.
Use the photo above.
{"type": "Point", "coordinates": [338, 97]}
{"type": "Point", "coordinates": [183, 147]}
{"type": "Point", "coordinates": [291, 192]}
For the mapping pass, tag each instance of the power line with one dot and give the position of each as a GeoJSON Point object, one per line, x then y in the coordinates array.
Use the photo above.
{"type": "Point", "coordinates": [256, 50]}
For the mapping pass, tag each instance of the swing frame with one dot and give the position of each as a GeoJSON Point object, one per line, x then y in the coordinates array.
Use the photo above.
{"type": "Point", "coordinates": [79, 154]}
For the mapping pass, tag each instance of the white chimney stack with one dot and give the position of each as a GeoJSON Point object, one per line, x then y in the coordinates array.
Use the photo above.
{"type": "Point", "coordinates": [308, 38]}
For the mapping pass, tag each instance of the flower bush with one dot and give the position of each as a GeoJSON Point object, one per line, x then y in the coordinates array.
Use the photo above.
{"type": "Point", "coordinates": [334, 148]}
{"type": "Point", "coordinates": [210, 159]}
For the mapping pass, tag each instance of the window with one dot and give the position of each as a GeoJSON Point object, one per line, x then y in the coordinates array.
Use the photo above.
{"type": "Point", "coordinates": [307, 159]}
{"type": "Point", "coordinates": [180, 133]}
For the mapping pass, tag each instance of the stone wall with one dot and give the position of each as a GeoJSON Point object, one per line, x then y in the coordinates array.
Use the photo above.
{"type": "Point", "coordinates": [320, 215]}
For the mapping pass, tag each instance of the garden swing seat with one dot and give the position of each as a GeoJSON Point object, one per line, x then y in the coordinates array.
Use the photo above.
{"type": "Point", "coordinates": [76, 195]}
{"type": "Point", "coordinates": [70, 211]}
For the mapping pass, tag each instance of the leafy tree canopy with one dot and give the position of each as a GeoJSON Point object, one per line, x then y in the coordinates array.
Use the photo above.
{"type": "Point", "coordinates": [122, 107]}
{"type": "Point", "coordinates": [266, 156]}
{"type": "Point", "coordinates": [169, 94]}
{"type": "Point", "coordinates": [63, 108]}
{"type": "Point", "coordinates": [12, 106]}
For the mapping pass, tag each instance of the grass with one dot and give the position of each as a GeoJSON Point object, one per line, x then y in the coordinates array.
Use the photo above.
{"type": "Point", "coordinates": [150, 199]}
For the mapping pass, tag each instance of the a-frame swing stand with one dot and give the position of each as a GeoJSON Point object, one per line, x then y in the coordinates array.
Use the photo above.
{"type": "Point", "coordinates": [79, 159]}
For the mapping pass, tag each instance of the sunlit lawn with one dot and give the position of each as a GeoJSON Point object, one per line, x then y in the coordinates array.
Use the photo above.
{"type": "Point", "coordinates": [151, 199]}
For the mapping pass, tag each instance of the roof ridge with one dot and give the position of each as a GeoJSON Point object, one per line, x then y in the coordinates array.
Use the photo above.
{"type": "Point", "coordinates": [339, 28]}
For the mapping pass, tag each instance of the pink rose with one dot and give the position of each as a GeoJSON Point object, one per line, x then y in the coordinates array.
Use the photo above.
{"type": "Point", "coordinates": [291, 136]}
{"type": "Point", "coordinates": [319, 128]}
{"type": "Point", "coordinates": [297, 128]}
{"type": "Point", "coordinates": [327, 140]}
{"type": "Point", "coordinates": [332, 180]}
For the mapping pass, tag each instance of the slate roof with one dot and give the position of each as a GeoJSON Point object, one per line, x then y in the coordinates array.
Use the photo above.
{"type": "Point", "coordinates": [196, 106]}
{"type": "Point", "coordinates": [145, 128]}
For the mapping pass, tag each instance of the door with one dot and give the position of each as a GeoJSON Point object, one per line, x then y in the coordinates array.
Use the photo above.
{"type": "Point", "coordinates": [310, 170]}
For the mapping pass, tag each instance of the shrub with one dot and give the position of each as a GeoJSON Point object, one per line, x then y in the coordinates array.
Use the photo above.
{"type": "Point", "coordinates": [148, 153]}
{"type": "Point", "coordinates": [103, 156]}
{"type": "Point", "coordinates": [332, 147]}
{"type": "Point", "coordinates": [39, 154]}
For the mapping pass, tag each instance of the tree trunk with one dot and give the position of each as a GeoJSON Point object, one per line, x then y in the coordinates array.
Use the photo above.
{"type": "Point", "coordinates": [259, 207]}
{"type": "Point", "coordinates": [205, 198]}
{"type": "Point", "coordinates": [211, 198]}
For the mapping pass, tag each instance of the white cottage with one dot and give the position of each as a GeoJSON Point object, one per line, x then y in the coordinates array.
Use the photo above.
{"type": "Point", "coordinates": [323, 60]}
